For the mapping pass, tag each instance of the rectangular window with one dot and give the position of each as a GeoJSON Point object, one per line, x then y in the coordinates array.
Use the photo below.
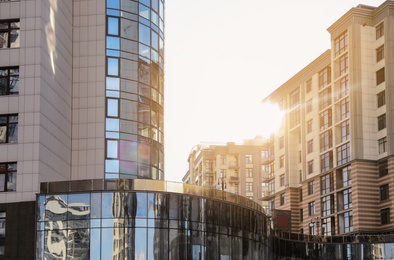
{"type": "Point", "coordinates": [325, 119]}
{"type": "Point", "coordinates": [249, 187]}
{"type": "Point", "coordinates": [343, 154]}
{"type": "Point", "coordinates": [223, 159]}
{"type": "Point", "coordinates": [309, 126]}
{"type": "Point", "coordinates": [340, 44]}
{"type": "Point", "coordinates": [113, 26]}
{"type": "Point", "coordinates": [345, 131]}
{"type": "Point", "coordinates": [381, 122]}
{"type": "Point", "coordinates": [324, 77]}
{"type": "Point", "coordinates": [327, 205]}
{"type": "Point", "coordinates": [301, 215]}
{"type": "Point", "coordinates": [310, 146]}
{"type": "Point", "coordinates": [348, 221]}
{"type": "Point", "coordinates": [380, 77]}
{"type": "Point", "coordinates": [325, 140]}
{"type": "Point", "coordinates": [327, 184]}
{"type": "Point", "coordinates": [326, 162]}
{"type": "Point", "coordinates": [328, 226]}
{"type": "Point", "coordinates": [345, 109]}
{"type": "Point", "coordinates": [347, 199]}
{"type": "Point", "coordinates": [282, 161]}
{"type": "Point", "coordinates": [379, 30]}
{"type": "Point", "coordinates": [384, 192]}
{"type": "Point", "coordinates": [380, 53]}
{"type": "Point", "coordinates": [282, 180]}
{"type": "Point", "coordinates": [382, 145]}
{"type": "Point", "coordinates": [311, 187]}
{"type": "Point", "coordinates": [324, 98]}
{"type": "Point", "coordinates": [8, 175]}
{"type": "Point", "coordinates": [344, 83]}
{"type": "Point", "coordinates": [295, 118]}
{"type": "Point", "coordinates": [385, 216]}
{"type": "Point", "coordinates": [309, 106]}
{"type": "Point", "coordinates": [311, 208]}
{"type": "Point", "coordinates": [9, 34]}
{"type": "Point", "coordinates": [344, 177]}
{"type": "Point", "coordinates": [310, 167]}
{"type": "Point", "coordinates": [249, 173]}
{"type": "Point", "coordinates": [343, 64]}
{"type": "Point", "coordinates": [381, 96]}
{"type": "Point", "coordinates": [282, 199]}
{"type": "Point", "coordinates": [308, 87]}
{"type": "Point", "coordinates": [248, 158]}
{"type": "Point", "coordinates": [383, 168]}
{"type": "Point", "coordinates": [300, 195]}
{"type": "Point", "coordinates": [295, 98]}
{"type": "Point", "coordinates": [9, 81]}
{"type": "Point", "coordinates": [9, 128]}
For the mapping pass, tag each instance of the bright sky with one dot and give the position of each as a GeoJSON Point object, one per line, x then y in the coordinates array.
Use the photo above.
{"type": "Point", "coordinates": [224, 56]}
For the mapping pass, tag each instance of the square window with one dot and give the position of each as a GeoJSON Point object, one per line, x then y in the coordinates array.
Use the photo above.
{"type": "Point", "coordinates": [8, 175]}
{"type": "Point", "coordinates": [9, 34]}
{"type": "Point", "coordinates": [9, 81]}
{"type": "Point", "coordinates": [9, 128]}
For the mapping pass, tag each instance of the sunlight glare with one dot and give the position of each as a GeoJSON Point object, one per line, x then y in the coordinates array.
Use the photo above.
{"type": "Point", "coordinates": [272, 116]}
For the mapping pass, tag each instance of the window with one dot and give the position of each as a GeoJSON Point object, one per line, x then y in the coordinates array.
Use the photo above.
{"type": "Point", "coordinates": [310, 146]}
{"type": "Point", "coordinates": [380, 53]}
{"type": "Point", "coordinates": [249, 187]}
{"type": "Point", "coordinates": [281, 142]}
{"type": "Point", "coordinates": [385, 216]}
{"type": "Point", "coordinates": [324, 77]}
{"type": "Point", "coordinates": [379, 30]}
{"type": "Point", "coordinates": [282, 180]}
{"type": "Point", "coordinates": [309, 126]}
{"type": "Point", "coordinates": [7, 177]}
{"type": "Point", "coordinates": [2, 231]}
{"type": "Point", "coordinates": [327, 184]}
{"type": "Point", "coordinates": [325, 140]}
{"type": "Point", "coordinates": [344, 177]}
{"type": "Point", "coordinates": [381, 98]}
{"type": "Point", "coordinates": [324, 98]}
{"type": "Point", "coordinates": [327, 205]}
{"type": "Point", "coordinates": [295, 118]}
{"type": "Point", "coordinates": [282, 199]}
{"type": "Point", "coordinates": [9, 81]}
{"type": "Point", "coordinates": [281, 161]}
{"type": "Point", "coordinates": [310, 167]}
{"type": "Point", "coordinates": [344, 84]}
{"type": "Point", "coordinates": [309, 106]}
{"type": "Point", "coordinates": [248, 158]}
{"type": "Point", "coordinates": [382, 145]}
{"type": "Point", "coordinates": [383, 168]}
{"type": "Point", "coordinates": [326, 161]}
{"type": "Point", "coordinates": [311, 187]}
{"type": "Point", "coordinates": [208, 165]}
{"type": "Point", "coordinates": [348, 221]}
{"type": "Point", "coordinates": [384, 192]}
{"type": "Point", "coordinates": [340, 44]}
{"type": "Point", "coordinates": [308, 87]}
{"type": "Point", "coordinates": [343, 154]}
{"type": "Point", "coordinates": [8, 128]}
{"type": "Point", "coordinates": [381, 122]}
{"type": "Point", "coordinates": [249, 173]}
{"type": "Point", "coordinates": [345, 131]}
{"type": "Point", "coordinates": [328, 226]}
{"type": "Point", "coordinates": [347, 199]}
{"type": "Point", "coordinates": [301, 215]}
{"type": "Point", "coordinates": [113, 25]}
{"type": "Point", "coordinates": [311, 208]}
{"type": "Point", "coordinates": [9, 34]}
{"type": "Point", "coordinates": [380, 76]}
{"type": "Point", "coordinates": [295, 98]}
{"type": "Point", "coordinates": [300, 195]}
{"type": "Point", "coordinates": [325, 119]}
{"type": "Point", "coordinates": [223, 159]}
{"type": "Point", "coordinates": [343, 64]}
{"type": "Point", "coordinates": [344, 108]}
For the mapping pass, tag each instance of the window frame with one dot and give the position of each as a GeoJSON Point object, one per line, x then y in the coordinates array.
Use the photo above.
{"type": "Point", "coordinates": [9, 81]}
{"type": "Point", "coordinates": [381, 98]}
{"type": "Point", "coordinates": [380, 53]}
{"type": "Point", "coordinates": [8, 31]}
{"type": "Point", "coordinates": [10, 172]}
{"type": "Point", "coordinates": [385, 216]}
{"type": "Point", "coordinates": [8, 129]}
{"type": "Point", "coordinates": [379, 30]}
{"type": "Point", "coordinates": [384, 192]}
{"type": "Point", "coordinates": [382, 122]}
{"type": "Point", "coordinates": [382, 144]}
{"type": "Point", "coordinates": [380, 76]}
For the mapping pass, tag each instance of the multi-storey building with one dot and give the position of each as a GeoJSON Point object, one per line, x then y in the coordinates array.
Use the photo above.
{"type": "Point", "coordinates": [333, 155]}
{"type": "Point", "coordinates": [236, 168]}
{"type": "Point", "coordinates": [82, 143]}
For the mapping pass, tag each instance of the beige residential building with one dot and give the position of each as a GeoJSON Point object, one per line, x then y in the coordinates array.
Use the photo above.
{"type": "Point", "coordinates": [334, 164]}
{"type": "Point", "coordinates": [236, 168]}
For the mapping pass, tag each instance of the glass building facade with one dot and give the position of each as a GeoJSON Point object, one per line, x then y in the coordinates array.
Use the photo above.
{"type": "Point", "coordinates": [146, 219]}
{"type": "Point", "coordinates": [134, 89]}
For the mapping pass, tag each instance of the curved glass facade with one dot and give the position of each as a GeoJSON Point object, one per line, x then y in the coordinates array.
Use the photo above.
{"type": "Point", "coordinates": [134, 89]}
{"type": "Point", "coordinates": [153, 220]}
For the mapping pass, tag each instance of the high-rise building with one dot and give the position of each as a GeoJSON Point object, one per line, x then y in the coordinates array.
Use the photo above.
{"type": "Point", "coordinates": [334, 154]}
{"type": "Point", "coordinates": [82, 143]}
{"type": "Point", "coordinates": [236, 168]}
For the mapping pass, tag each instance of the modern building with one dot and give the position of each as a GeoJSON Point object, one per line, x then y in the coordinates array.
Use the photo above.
{"type": "Point", "coordinates": [82, 143]}
{"type": "Point", "coordinates": [334, 154]}
{"type": "Point", "coordinates": [236, 168]}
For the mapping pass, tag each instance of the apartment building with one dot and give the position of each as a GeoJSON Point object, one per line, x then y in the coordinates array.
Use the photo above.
{"type": "Point", "coordinates": [236, 168]}
{"type": "Point", "coordinates": [334, 153]}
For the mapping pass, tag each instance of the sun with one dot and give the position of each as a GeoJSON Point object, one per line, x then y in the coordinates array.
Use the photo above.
{"type": "Point", "coordinates": [272, 118]}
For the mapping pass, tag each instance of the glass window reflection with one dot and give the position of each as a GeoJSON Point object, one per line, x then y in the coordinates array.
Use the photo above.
{"type": "Point", "coordinates": [144, 34]}
{"type": "Point", "coordinates": [112, 124]}
{"type": "Point", "coordinates": [112, 83]}
{"type": "Point", "coordinates": [144, 11]}
{"type": "Point", "coordinates": [113, 43]}
{"type": "Point", "coordinates": [113, 25]}
{"type": "Point", "coordinates": [113, 66]}
{"type": "Point", "coordinates": [113, 4]}
{"type": "Point", "coordinates": [112, 107]}
{"type": "Point", "coordinates": [112, 149]}
{"type": "Point", "coordinates": [112, 166]}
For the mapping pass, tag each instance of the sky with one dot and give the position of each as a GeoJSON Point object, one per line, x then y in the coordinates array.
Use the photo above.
{"type": "Point", "coordinates": [223, 57]}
